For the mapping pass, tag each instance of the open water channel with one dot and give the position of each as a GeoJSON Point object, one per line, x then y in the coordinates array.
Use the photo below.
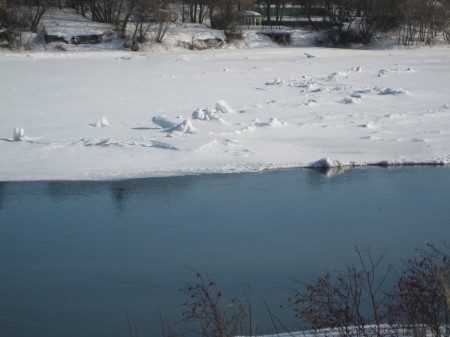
{"type": "Point", "coordinates": [77, 257]}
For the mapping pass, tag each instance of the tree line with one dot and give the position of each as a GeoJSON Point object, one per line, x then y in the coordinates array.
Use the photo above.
{"type": "Point", "coordinates": [347, 21]}
{"type": "Point", "coordinates": [359, 21]}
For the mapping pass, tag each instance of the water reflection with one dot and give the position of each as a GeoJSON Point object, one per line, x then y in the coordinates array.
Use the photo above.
{"type": "Point", "coordinates": [119, 195]}
{"type": "Point", "coordinates": [84, 253]}
{"type": "Point", "coordinates": [330, 171]}
{"type": "Point", "coordinates": [2, 192]}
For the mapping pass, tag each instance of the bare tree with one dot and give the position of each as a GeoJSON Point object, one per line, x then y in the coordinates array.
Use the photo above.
{"type": "Point", "coordinates": [222, 13]}
{"type": "Point", "coordinates": [279, 7]}
{"type": "Point", "coordinates": [79, 5]}
{"type": "Point", "coordinates": [308, 9]}
{"type": "Point", "coordinates": [359, 21]}
{"type": "Point", "coordinates": [9, 28]}
{"type": "Point", "coordinates": [20, 15]}
{"type": "Point", "coordinates": [150, 16]}
{"type": "Point", "coordinates": [105, 10]}
{"type": "Point", "coordinates": [141, 19]}
{"type": "Point", "coordinates": [37, 9]}
{"type": "Point", "coordinates": [129, 9]}
{"type": "Point", "coordinates": [341, 12]}
{"type": "Point", "coordinates": [423, 21]}
{"type": "Point", "coordinates": [376, 16]}
{"type": "Point", "coordinates": [163, 19]}
{"type": "Point", "coordinates": [194, 11]}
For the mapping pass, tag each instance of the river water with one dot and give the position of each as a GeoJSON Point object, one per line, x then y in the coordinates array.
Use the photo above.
{"type": "Point", "coordinates": [77, 258]}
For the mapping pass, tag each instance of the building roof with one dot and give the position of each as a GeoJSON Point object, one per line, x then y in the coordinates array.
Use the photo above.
{"type": "Point", "coordinates": [249, 13]}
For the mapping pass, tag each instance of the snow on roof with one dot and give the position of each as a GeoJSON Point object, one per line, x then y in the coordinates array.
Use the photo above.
{"type": "Point", "coordinates": [249, 13]}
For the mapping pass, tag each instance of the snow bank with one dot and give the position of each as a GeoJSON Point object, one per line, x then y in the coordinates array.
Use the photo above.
{"type": "Point", "coordinates": [368, 330]}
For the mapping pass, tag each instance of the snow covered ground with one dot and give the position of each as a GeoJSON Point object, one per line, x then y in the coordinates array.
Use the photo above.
{"type": "Point", "coordinates": [115, 114]}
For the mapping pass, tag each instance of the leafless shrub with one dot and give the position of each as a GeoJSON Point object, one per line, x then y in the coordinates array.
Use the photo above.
{"type": "Point", "coordinates": [446, 285]}
{"type": "Point", "coordinates": [205, 310]}
{"type": "Point", "coordinates": [233, 32]}
{"type": "Point", "coordinates": [420, 301]}
{"type": "Point", "coordinates": [351, 301]}
{"type": "Point", "coordinates": [355, 302]}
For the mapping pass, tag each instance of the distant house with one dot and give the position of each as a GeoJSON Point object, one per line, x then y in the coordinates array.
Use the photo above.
{"type": "Point", "coordinates": [249, 18]}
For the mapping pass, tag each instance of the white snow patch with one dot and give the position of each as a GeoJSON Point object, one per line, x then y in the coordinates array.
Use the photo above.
{"type": "Point", "coordinates": [102, 122]}
{"type": "Point", "coordinates": [204, 114]}
{"type": "Point", "coordinates": [273, 122]}
{"type": "Point", "coordinates": [310, 102]}
{"type": "Point", "coordinates": [106, 142]}
{"type": "Point", "coordinates": [18, 134]}
{"type": "Point", "coordinates": [383, 72]}
{"type": "Point", "coordinates": [276, 81]}
{"type": "Point", "coordinates": [336, 74]}
{"type": "Point", "coordinates": [184, 127]}
{"type": "Point", "coordinates": [223, 107]}
{"type": "Point", "coordinates": [391, 91]}
{"type": "Point", "coordinates": [227, 146]}
{"type": "Point", "coordinates": [163, 122]}
{"type": "Point", "coordinates": [326, 163]}
{"type": "Point", "coordinates": [348, 100]}
{"type": "Point", "coordinates": [363, 91]}
{"type": "Point", "coordinates": [369, 125]}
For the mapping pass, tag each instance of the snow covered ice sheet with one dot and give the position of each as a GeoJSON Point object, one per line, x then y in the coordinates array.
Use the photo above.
{"type": "Point", "coordinates": [117, 114]}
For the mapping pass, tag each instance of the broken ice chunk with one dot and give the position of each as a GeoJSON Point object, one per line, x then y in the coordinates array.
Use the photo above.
{"type": "Point", "coordinates": [18, 134]}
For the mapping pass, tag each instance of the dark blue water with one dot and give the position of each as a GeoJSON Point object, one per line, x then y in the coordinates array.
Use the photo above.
{"type": "Point", "coordinates": [77, 257]}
